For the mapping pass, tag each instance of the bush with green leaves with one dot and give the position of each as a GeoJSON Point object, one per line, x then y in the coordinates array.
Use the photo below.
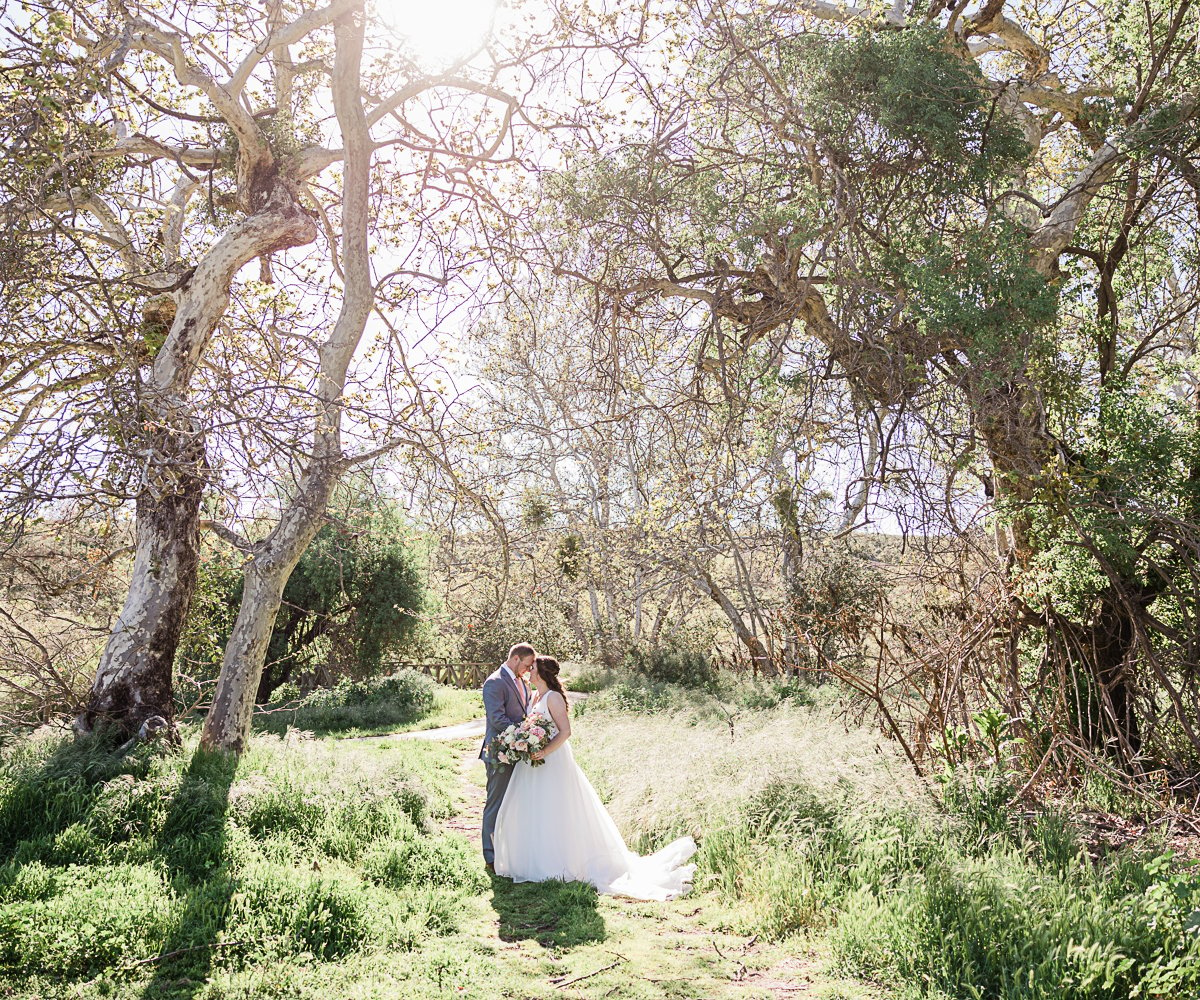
{"type": "Point", "coordinates": [396, 699]}
{"type": "Point", "coordinates": [355, 597]}
{"type": "Point", "coordinates": [1115, 525]}
{"type": "Point", "coordinates": [972, 902]}
{"type": "Point", "coordinates": [592, 678]}
{"type": "Point", "coordinates": [672, 665]}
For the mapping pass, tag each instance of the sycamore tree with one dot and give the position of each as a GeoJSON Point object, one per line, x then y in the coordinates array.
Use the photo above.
{"type": "Point", "coordinates": [124, 230]}
{"type": "Point", "coordinates": [984, 215]}
{"type": "Point", "coordinates": [156, 151]}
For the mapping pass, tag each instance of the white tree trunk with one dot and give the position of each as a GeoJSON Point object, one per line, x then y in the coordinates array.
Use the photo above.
{"type": "Point", "coordinates": [133, 680]}
{"type": "Point", "coordinates": [227, 726]}
{"type": "Point", "coordinates": [635, 633]}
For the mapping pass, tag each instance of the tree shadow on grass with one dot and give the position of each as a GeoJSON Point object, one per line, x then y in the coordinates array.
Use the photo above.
{"type": "Point", "coordinates": [49, 814]}
{"type": "Point", "coordinates": [50, 796]}
{"type": "Point", "coordinates": [191, 847]}
{"type": "Point", "coordinates": [561, 914]}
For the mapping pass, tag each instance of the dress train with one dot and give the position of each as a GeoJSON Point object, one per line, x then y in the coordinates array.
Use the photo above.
{"type": "Point", "coordinates": [552, 825]}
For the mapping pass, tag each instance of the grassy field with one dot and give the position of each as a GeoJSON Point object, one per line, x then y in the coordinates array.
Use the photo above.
{"type": "Point", "coordinates": [326, 868]}
{"type": "Point", "coordinates": [811, 831]}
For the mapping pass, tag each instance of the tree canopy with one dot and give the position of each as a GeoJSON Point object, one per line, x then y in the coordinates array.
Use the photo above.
{"type": "Point", "coordinates": [858, 340]}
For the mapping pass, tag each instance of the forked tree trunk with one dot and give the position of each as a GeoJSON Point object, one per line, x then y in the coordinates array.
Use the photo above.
{"type": "Point", "coordinates": [227, 726]}
{"type": "Point", "coordinates": [133, 678]}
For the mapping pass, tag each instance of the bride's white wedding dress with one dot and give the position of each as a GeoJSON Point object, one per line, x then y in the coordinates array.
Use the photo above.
{"type": "Point", "coordinates": [552, 825]}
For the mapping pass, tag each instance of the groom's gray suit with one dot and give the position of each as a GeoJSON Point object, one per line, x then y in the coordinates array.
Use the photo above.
{"type": "Point", "coordinates": [505, 703]}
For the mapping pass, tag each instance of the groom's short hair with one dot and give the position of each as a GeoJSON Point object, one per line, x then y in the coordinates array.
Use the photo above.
{"type": "Point", "coordinates": [522, 650]}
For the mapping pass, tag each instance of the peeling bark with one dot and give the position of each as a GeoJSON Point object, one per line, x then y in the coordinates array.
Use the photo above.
{"type": "Point", "coordinates": [133, 679]}
{"type": "Point", "coordinates": [227, 726]}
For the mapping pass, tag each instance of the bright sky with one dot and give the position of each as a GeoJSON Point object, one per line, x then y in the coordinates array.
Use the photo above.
{"type": "Point", "coordinates": [440, 30]}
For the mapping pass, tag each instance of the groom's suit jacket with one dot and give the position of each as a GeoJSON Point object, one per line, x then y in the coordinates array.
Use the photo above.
{"type": "Point", "coordinates": [505, 703]}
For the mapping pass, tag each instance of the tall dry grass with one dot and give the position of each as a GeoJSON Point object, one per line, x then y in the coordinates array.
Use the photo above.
{"type": "Point", "coordinates": [688, 769]}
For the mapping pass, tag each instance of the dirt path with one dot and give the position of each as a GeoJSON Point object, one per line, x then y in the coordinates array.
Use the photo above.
{"type": "Point", "coordinates": [469, 818]}
{"type": "Point", "coordinates": [555, 940]}
{"type": "Point", "coordinates": [472, 730]}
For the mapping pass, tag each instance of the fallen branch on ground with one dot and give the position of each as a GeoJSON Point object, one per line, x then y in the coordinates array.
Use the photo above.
{"type": "Point", "coordinates": [588, 975]}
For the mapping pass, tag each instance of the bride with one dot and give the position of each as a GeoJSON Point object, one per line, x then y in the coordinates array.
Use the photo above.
{"type": "Point", "coordinates": [552, 824]}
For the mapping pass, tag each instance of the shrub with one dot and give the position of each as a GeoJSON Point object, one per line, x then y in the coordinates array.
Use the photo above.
{"type": "Point", "coordinates": [641, 696]}
{"type": "Point", "coordinates": [593, 678]}
{"type": "Point", "coordinates": [356, 593]}
{"type": "Point", "coordinates": [670, 665]}
{"type": "Point", "coordinates": [285, 910]}
{"type": "Point", "coordinates": [399, 698]}
{"type": "Point", "coordinates": [338, 822]}
{"type": "Point", "coordinates": [762, 695]}
{"type": "Point", "coordinates": [998, 926]}
{"type": "Point", "coordinates": [967, 904]}
{"type": "Point", "coordinates": [25, 882]}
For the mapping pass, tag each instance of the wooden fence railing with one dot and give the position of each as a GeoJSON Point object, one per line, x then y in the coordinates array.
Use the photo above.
{"type": "Point", "coordinates": [460, 675]}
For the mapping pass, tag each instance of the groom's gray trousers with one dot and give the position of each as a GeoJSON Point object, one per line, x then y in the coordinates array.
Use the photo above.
{"type": "Point", "coordinates": [498, 776]}
{"type": "Point", "coordinates": [504, 705]}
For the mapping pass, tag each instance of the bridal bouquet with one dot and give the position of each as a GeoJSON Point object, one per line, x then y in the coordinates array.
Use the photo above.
{"type": "Point", "coordinates": [521, 742]}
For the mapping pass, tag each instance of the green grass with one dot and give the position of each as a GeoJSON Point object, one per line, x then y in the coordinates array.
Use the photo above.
{"type": "Point", "coordinates": [317, 870]}
{"type": "Point", "coordinates": [812, 832]}
{"type": "Point", "coordinates": [451, 706]}
{"type": "Point", "coordinates": [179, 875]}
{"type": "Point", "coordinates": [309, 869]}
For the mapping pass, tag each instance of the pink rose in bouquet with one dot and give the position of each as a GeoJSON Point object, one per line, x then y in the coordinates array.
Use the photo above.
{"type": "Point", "coordinates": [520, 742]}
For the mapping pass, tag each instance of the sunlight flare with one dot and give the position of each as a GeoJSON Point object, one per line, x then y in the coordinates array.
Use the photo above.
{"type": "Point", "coordinates": [443, 31]}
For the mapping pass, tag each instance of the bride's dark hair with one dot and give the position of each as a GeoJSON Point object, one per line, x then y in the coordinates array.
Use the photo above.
{"type": "Point", "coordinates": [547, 668]}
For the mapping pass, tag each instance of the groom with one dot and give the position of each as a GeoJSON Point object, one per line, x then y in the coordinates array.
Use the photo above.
{"type": "Point", "coordinates": [505, 703]}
